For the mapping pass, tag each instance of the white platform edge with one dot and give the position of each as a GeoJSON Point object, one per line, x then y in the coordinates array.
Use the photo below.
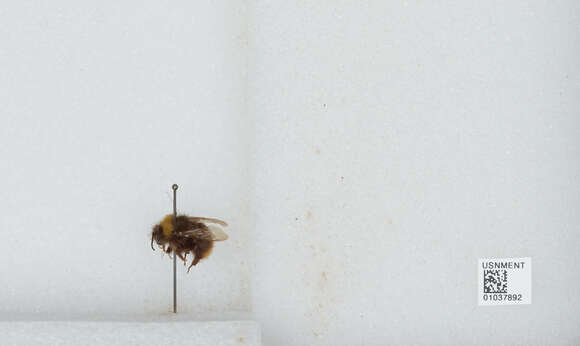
{"type": "Point", "coordinates": [214, 333]}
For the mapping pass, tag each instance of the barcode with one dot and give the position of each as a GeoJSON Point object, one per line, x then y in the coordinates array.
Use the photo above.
{"type": "Point", "coordinates": [495, 281]}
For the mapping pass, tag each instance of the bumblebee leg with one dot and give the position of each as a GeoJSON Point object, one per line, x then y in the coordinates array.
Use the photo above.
{"type": "Point", "coordinates": [194, 262]}
{"type": "Point", "coordinates": [180, 255]}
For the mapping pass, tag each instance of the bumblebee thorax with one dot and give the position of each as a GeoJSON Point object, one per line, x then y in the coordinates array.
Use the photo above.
{"type": "Point", "coordinates": [167, 225]}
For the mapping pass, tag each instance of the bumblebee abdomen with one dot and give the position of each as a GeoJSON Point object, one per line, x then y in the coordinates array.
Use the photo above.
{"type": "Point", "coordinates": [202, 250]}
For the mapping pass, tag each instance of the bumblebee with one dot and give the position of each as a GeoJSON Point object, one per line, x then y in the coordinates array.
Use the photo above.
{"type": "Point", "coordinates": [188, 235]}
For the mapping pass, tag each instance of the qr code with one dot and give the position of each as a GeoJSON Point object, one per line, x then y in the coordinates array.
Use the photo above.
{"type": "Point", "coordinates": [495, 281]}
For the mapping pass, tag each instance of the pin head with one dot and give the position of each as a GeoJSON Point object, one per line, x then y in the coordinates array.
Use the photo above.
{"type": "Point", "coordinates": [174, 187]}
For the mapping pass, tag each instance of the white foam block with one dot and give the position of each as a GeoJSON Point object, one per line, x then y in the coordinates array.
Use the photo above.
{"type": "Point", "coordinates": [213, 333]}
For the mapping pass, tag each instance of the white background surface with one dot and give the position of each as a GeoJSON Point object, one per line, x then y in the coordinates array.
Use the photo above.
{"type": "Point", "coordinates": [104, 106]}
{"type": "Point", "coordinates": [374, 152]}
{"type": "Point", "coordinates": [397, 143]}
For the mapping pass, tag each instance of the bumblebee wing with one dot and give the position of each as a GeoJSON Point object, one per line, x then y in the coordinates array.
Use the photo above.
{"type": "Point", "coordinates": [207, 219]}
{"type": "Point", "coordinates": [217, 234]}
{"type": "Point", "coordinates": [199, 233]}
{"type": "Point", "coordinates": [211, 233]}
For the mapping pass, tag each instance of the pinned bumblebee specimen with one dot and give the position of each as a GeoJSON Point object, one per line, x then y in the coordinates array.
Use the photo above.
{"type": "Point", "coordinates": [188, 235]}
